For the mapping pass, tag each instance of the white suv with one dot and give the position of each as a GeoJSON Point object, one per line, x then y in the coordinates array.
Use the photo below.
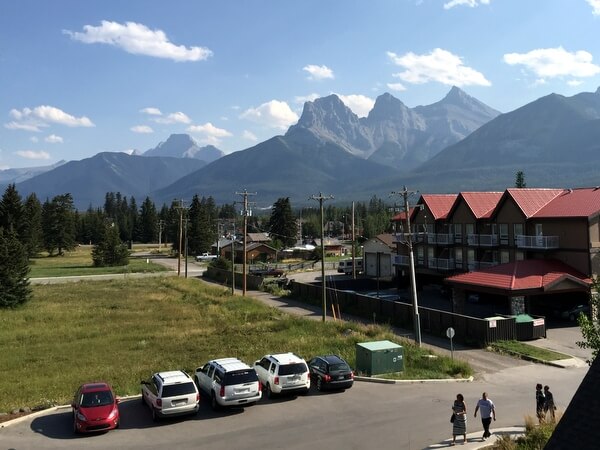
{"type": "Point", "coordinates": [170, 394]}
{"type": "Point", "coordinates": [229, 382]}
{"type": "Point", "coordinates": [282, 373]}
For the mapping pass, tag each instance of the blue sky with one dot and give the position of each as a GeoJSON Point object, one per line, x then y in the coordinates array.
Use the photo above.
{"type": "Point", "coordinates": [82, 77]}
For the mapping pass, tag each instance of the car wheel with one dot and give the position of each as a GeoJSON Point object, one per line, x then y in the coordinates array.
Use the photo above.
{"type": "Point", "coordinates": [75, 430]}
{"type": "Point", "coordinates": [143, 399]}
{"type": "Point", "coordinates": [319, 384]}
{"type": "Point", "coordinates": [213, 402]}
{"type": "Point", "coordinates": [154, 415]}
{"type": "Point", "coordinates": [572, 317]}
{"type": "Point", "coordinates": [269, 391]}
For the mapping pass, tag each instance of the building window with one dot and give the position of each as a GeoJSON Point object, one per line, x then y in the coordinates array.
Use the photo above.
{"type": "Point", "coordinates": [458, 257]}
{"type": "Point", "coordinates": [519, 255]}
{"type": "Point", "coordinates": [518, 231]}
{"type": "Point", "coordinates": [458, 233]}
{"type": "Point", "coordinates": [503, 233]}
{"type": "Point", "coordinates": [504, 256]}
{"type": "Point", "coordinates": [420, 255]}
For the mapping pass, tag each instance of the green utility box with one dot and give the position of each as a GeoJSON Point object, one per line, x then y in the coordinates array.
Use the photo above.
{"type": "Point", "coordinates": [379, 357]}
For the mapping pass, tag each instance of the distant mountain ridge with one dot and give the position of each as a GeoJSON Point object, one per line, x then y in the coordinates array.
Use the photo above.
{"type": "Point", "coordinates": [184, 146]}
{"type": "Point", "coordinates": [90, 179]}
{"type": "Point", "coordinates": [17, 175]}
{"type": "Point", "coordinates": [394, 134]}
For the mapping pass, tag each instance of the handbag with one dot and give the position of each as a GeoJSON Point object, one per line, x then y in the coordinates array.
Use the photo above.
{"type": "Point", "coordinates": [452, 417]}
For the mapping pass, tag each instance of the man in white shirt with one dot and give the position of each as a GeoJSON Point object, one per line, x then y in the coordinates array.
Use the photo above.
{"type": "Point", "coordinates": [487, 413]}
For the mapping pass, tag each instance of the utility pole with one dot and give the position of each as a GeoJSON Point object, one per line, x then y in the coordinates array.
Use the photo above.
{"type": "Point", "coordinates": [320, 198]}
{"type": "Point", "coordinates": [353, 247]}
{"type": "Point", "coordinates": [186, 244]}
{"type": "Point", "coordinates": [180, 207]}
{"type": "Point", "coordinates": [413, 284]}
{"type": "Point", "coordinates": [233, 258]}
{"type": "Point", "coordinates": [160, 228]}
{"type": "Point", "coordinates": [245, 213]}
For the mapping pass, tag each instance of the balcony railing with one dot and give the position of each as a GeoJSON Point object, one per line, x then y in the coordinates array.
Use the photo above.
{"type": "Point", "coordinates": [537, 242]}
{"type": "Point", "coordinates": [401, 260]}
{"type": "Point", "coordinates": [476, 265]}
{"type": "Point", "coordinates": [440, 238]}
{"type": "Point", "coordinates": [482, 240]}
{"type": "Point", "coordinates": [416, 238]}
{"type": "Point", "coordinates": [441, 263]}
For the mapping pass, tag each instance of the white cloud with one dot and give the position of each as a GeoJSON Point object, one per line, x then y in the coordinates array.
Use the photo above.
{"type": "Point", "coordinates": [249, 136]}
{"type": "Point", "coordinates": [34, 139]}
{"type": "Point", "coordinates": [138, 39]}
{"type": "Point", "coordinates": [359, 104]}
{"type": "Point", "coordinates": [274, 114]}
{"type": "Point", "coordinates": [30, 154]}
{"type": "Point", "coordinates": [306, 98]}
{"type": "Point", "coordinates": [210, 130]}
{"type": "Point", "coordinates": [439, 65]}
{"type": "Point", "coordinates": [142, 129]}
{"type": "Point", "coordinates": [53, 139]}
{"type": "Point", "coordinates": [555, 62]}
{"type": "Point", "coordinates": [470, 3]}
{"type": "Point", "coordinates": [574, 82]}
{"type": "Point", "coordinates": [176, 117]}
{"type": "Point", "coordinates": [396, 86]}
{"type": "Point", "coordinates": [41, 116]}
{"type": "Point", "coordinates": [151, 111]}
{"type": "Point", "coordinates": [595, 4]}
{"type": "Point", "coordinates": [318, 72]}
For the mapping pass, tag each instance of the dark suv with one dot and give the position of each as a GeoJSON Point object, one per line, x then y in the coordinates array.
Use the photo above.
{"type": "Point", "coordinates": [330, 372]}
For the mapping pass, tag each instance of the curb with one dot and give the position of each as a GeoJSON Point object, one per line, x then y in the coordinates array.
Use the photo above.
{"type": "Point", "coordinates": [41, 412]}
{"type": "Point", "coordinates": [434, 380]}
{"type": "Point", "coordinates": [534, 359]}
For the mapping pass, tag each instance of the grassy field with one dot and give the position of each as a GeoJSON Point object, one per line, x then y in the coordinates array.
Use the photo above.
{"type": "Point", "coordinates": [122, 331]}
{"type": "Point", "coordinates": [79, 262]}
{"type": "Point", "coordinates": [517, 348]}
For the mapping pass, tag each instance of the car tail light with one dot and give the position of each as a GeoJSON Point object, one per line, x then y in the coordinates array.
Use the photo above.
{"type": "Point", "coordinates": [276, 380]}
{"type": "Point", "coordinates": [159, 402]}
{"type": "Point", "coordinates": [327, 378]}
{"type": "Point", "coordinates": [352, 375]}
{"type": "Point", "coordinates": [259, 386]}
{"type": "Point", "coordinates": [222, 391]}
{"type": "Point", "coordinates": [198, 397]}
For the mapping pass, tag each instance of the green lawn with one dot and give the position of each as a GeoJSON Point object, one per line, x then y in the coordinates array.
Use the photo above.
{"type": "Point", "coordinates": [121, 331]}
{"type": "Point", "coordinates": [79, 262]}
{"type": "Point", "coordinates": [521, 349]}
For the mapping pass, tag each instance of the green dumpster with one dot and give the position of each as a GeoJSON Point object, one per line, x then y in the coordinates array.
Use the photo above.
{"type": "Point", "coordinates": [373, 358]}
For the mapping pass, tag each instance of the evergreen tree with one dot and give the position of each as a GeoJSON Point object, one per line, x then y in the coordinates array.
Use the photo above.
{"type": "Point", "coordinates": [11, 210]}
{"type": "Point", "coordinates": [148, 222]}
{"type": "Point", "coordinates": [282, 224]}
{"type": "Point", "coordinates": [32, 235]}
{"type": "Point", "coordinates": [520, 180]}
{"type": "Point", "coordinates": [58, 224]}
{"type": "Point", "coordinates": [110, 251]}
{"type": "Point", "coordinates": [195, 227]}
{"type": "Point", "coordinates": [14, 283]}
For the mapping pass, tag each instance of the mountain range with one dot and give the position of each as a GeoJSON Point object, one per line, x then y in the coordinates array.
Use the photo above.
{"type": "Point", "coordinates": [458, 143]}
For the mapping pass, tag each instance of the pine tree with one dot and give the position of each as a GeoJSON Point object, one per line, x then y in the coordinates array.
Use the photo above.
{"type": "Point", "coordinates": [282, 224]}
{"type": "Point", "coordinates": [58, 224]}
{"type": "Point", "coordinates": [520, 180]}
{"type": "Point", "coordinates": [14, 283]}
{"type": "Point", "coordinates": [148, 222]}
{"type": "Point", "coordinates": [11, 210]}
{"type": "Point", "coordinates": [110, 251]}
{"type": "Point", "coordinates": [32, 236]}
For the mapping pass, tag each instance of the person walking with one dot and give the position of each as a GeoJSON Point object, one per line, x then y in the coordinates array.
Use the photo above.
{"type": "Point", "coordinates": [488, 411]}
{"type": "Point", "coordinates": [540, 401]}
{"type": "Point", "coordinates": [459, 422]}
{"type": "Point", "coordinates": [549, 406]}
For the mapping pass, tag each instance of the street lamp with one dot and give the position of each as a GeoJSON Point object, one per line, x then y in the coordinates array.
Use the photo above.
{"type": "Point", "coordinates": [408, 235]}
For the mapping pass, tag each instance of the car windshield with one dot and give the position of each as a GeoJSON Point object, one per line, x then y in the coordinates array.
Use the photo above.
{"type": "Point", "coordinates": [338, 367]}
{"type": "Point", "coordinates": [173, 390]}
{"type": "Point", "coordinates": [240, 377]}
{"type": "Point", "coordinates": [100, 398]}
{"type": "Point", "coordinates": [291, 369]}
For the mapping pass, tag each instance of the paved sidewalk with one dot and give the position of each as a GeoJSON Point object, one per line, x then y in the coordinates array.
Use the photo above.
{"type": "Point", "coordinates": [474, 440]}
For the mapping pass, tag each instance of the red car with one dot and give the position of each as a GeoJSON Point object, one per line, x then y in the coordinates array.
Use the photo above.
{"type": "Point", "coordinates": [95, 408]}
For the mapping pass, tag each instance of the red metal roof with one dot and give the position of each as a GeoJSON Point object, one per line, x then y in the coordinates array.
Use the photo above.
{"type": "Point", "coordinates": [439, 204]}
{"type": "Point", "coordinates": [530, 201]}
{"type": "Point", "coordinates": [521, 275]}
{"type": "Point", "coordinates": [481, 204]}
{"type": "Point", "coordinates": [583, 202]}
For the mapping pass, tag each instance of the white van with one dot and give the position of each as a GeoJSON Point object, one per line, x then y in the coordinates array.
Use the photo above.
{"type": "Point", "coordinates": [345, 265]}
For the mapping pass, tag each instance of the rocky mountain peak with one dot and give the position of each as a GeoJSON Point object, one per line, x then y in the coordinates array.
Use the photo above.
{"type": "Point", "coordinates": [388, 107]}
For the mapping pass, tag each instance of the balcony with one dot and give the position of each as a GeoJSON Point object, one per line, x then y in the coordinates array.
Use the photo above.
{"type": "Point", "coordinates": [440, 238]}
{"type": "Point", "coordinates": [537, 242]}
{"type": "Point", "coordinates": [441, 263]}
{"type": "Point", "coordinates": [401, 238]}
{"type": "Point", "coordinates": [476, 265]}
{"type": "Point", "coordinates": [482, 240]}
{"type": "Point", "coordinates": [401, 260]}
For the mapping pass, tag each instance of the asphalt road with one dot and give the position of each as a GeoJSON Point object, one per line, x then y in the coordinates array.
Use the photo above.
{"type": "Point", "coordinates": [400, 416]}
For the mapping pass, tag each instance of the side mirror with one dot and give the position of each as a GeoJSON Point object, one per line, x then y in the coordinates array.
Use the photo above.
{"type": "Point", "coordinates": [73, 405]}
{"type": "Point", "coordinates": [256, 362]}
{"type": "Point", "coordinates": [144, 382]}
{"type": "Point", "coordinates": [118, 400]}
